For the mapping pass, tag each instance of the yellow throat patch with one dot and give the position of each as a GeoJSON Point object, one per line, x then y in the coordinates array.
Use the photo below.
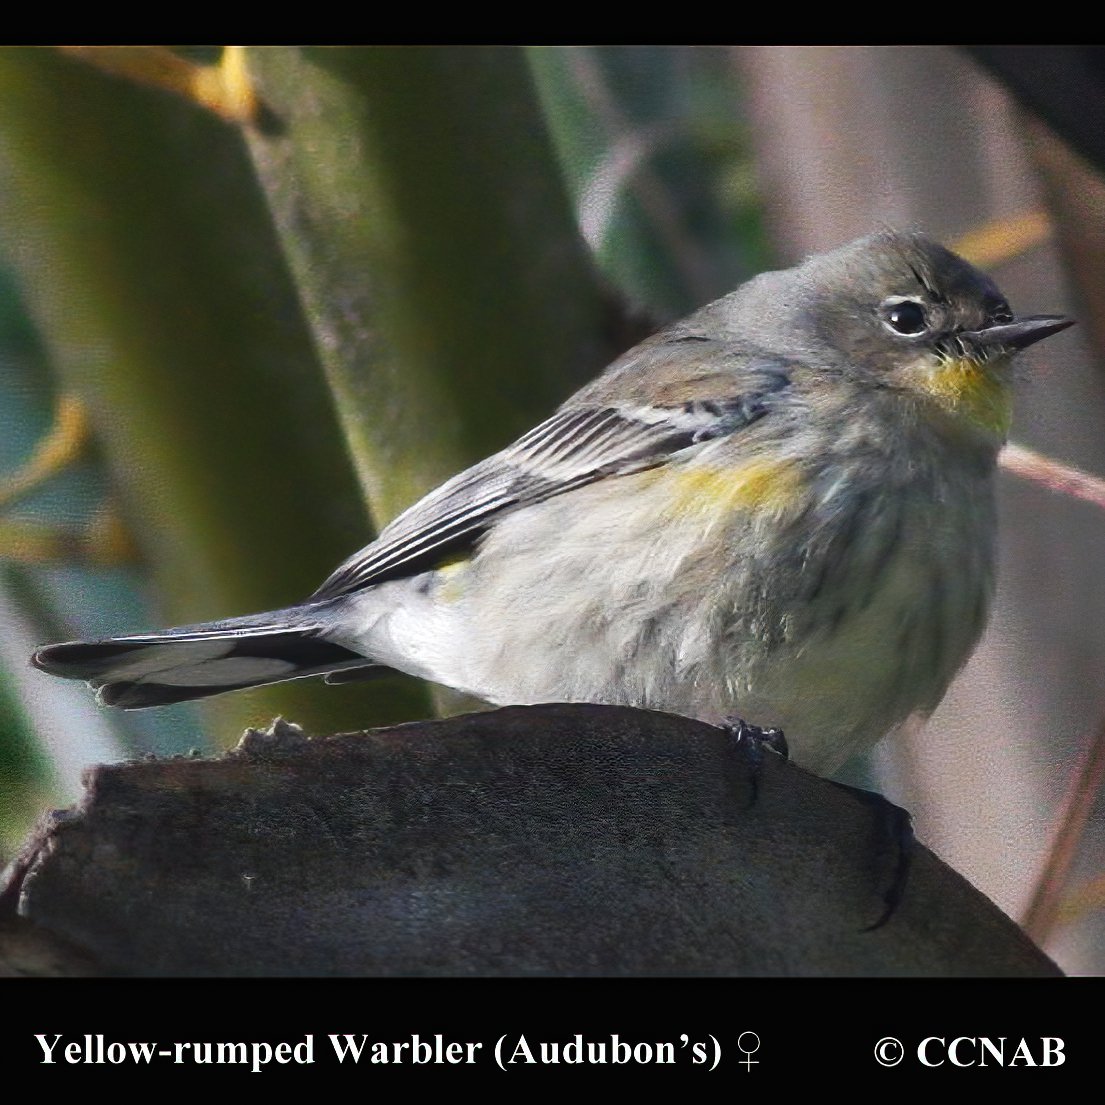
{"type": "Point", "coordinates": [972, 390]}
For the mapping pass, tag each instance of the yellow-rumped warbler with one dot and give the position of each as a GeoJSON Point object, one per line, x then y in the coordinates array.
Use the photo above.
{"type": "Point", "coordinates": [782, 507]}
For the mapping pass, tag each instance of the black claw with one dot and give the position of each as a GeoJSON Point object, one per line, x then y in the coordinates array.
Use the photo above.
{"type": "Point", "coordinates": [753, 740]}
{"type": "Point", "coordinates": [776, 740]}
{"type": "Point", "coordinates": [903, 835]}
{"type": "Point", "coordinates": [898, 824]}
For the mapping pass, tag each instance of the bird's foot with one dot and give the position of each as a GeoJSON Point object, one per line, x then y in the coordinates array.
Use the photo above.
{"type": "Point", "coordinates": [752, 740]}
{"type": "Point", "coordinates": [756, 739]}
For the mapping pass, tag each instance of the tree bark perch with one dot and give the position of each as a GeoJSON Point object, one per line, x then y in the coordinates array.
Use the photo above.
{"type": "Point", "coordinates": [559, 840]}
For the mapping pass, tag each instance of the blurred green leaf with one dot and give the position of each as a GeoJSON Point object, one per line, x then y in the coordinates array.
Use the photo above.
{"type": "Point", "coordinates": [653, 147]}
{"type": "Point", "coordinates": [25, 777]}
{"type": "Point", "coordinates": [146, 254]}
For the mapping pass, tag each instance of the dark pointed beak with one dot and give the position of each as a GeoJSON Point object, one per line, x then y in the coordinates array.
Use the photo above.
{"type": "Point", "coordinates": [1020, 334]}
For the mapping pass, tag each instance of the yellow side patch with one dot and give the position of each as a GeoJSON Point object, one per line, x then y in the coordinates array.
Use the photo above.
{"type": "Point", "coordinates": [450, 577]}
{"type": "Point", "coordinates": [973, 391]}
{"type": "Point", "coordinates": [454, 560]}
{"type": "Point", "coordinates": [755, 485]}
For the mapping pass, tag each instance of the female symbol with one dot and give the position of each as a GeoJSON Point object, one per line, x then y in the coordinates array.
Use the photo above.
{"type": "Point", "coordinates": [748, 1042]}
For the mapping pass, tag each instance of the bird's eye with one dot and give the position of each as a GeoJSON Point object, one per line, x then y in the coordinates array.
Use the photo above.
{"type": "Point", "coordinates": [906, 316]}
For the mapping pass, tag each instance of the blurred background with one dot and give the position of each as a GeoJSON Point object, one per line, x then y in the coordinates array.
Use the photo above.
{"type": "Point", "coordinates": [253, 302]}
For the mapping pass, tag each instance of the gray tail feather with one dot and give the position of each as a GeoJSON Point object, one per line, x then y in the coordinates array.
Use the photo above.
{"type": "Point", "coordinates": [197, 661]}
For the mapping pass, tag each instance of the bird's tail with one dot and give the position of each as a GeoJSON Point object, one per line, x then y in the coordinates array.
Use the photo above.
{"type": "Point", "coordinates": [196, 661]}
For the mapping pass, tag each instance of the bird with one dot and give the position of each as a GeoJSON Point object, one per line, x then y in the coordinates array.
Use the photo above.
{"type": "Point", "coordinates": [781, 507]}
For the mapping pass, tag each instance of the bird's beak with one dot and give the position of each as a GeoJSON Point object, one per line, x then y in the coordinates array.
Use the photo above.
{"type": "Point", "coordinates": [1013, 336]}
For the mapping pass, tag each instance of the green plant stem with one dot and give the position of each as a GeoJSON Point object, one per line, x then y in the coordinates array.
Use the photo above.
{"type": "Point", "coordinates": [424, 218]}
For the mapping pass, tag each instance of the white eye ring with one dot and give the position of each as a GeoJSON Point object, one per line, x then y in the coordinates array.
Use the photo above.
{"type": "Point", "coordinates": [904, 316]}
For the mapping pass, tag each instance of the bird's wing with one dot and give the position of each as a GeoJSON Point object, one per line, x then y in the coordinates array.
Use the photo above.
{"type": "Point", "coordinates": [576, 446]}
